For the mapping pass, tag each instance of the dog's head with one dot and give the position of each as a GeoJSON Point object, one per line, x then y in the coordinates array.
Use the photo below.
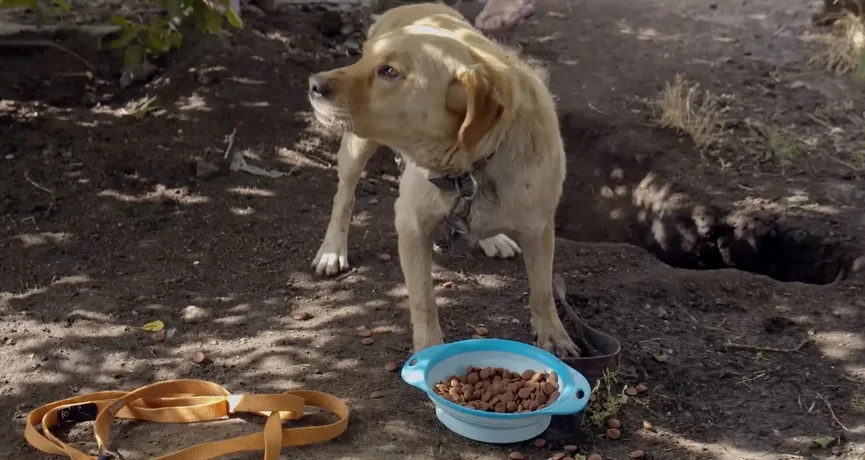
{"type": "Point", "coordinates": [419, 89]}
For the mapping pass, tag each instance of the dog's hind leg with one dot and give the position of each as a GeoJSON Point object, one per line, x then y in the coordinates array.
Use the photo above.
{"type": "Point", "coordinates": [354, 153]}
{"type": "Point", "coordinates": [538, 251]}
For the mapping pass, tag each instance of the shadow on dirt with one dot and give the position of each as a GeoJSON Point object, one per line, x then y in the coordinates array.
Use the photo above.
{"type": "Point", "coordinates": [105, 229]}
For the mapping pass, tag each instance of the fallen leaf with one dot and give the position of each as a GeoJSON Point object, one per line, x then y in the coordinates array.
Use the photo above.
{"type": "Point", "coordinates": [153, 326]}
{"type": "Point", "coordinates": [824, 442]}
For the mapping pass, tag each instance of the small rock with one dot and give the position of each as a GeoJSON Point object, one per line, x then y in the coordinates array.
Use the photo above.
{"type": "Point", "coordinates": [516, 456]}
{"type": "Point", "coordinates": [482, 331]}
{"type": "Point", "coordinates": [648, 426]}
{"type": "Point", "coordinates": [381, 330]}
{"type": "Point", "coordinates": [159, 336]}
{"type": "Point", "coordinates": [539, 442]}
{"type": "Point", "coordinates": [302, 316]}
{"type": "Point", "coordinates": [614, 423]}
{"type": "Point", "coordinates": [367, 341]}
{"type": "Point", "coordinates": [391, 366]}
{"type": "Point", "coordinates": [384, 257]}
{"type": "Point", "coordinates": [637, 454]}
{"type": "Point", "coordinates": [198, 357]}
{"type": "Point", "coordinates": [192, 314]}
{"type": "Point", "coordinates": [614, 433]}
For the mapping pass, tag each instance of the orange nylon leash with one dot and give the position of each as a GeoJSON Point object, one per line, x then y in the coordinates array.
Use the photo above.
{"type": "Point", "coordinates": [186, 401]}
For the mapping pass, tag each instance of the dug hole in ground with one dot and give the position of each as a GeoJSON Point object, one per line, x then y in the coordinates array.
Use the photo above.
{"type": "Point", "coordinates": [722, 255]}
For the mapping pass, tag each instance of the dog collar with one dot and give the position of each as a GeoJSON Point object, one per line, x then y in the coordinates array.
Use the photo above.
{"type": "Point", "coordinates": [462, 183]}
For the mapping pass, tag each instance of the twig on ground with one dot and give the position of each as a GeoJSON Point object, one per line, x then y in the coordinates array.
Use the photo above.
{"type": "Point", "coordinates": [238, 162]}
{"type": "Point", "coordinates": [831, 412]}
{"type": "Point", "coordinates": [712, 328]}
{"type": "Point", "coordinates": [768, 349]}
{"type": "Point", "coordinates": [48, 44]}
{"type": "Point", "coordinates": [44, 189]}
{"type": "Point", "coordinates": [230, 142]}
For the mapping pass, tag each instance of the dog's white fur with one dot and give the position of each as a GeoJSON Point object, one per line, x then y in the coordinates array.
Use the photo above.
{"type": "Point", "coordinates": [437, 91]}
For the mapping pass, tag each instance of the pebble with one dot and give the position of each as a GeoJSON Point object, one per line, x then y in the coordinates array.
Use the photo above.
{"type": "Point", "coordinates": [302, 316]}
{"type": "Point", "coordinates": [482, 331]}
{"type": "Point", "coordinates": [539, 442]}
{"type": "Point", "coordinates": [648, 426]}
{"type": "Point", "coordinates": [516, 456]}
{"type": "Point", "coordinates": [637, 454]}
{"type": "Point", "coordinates": [391, 366]}
{"type": "Point", "coordinates": [192, 314]}
{"type": "Point", "coordinates": [367, 341]}
{"type": "Point", "coordinates": [198, 357]}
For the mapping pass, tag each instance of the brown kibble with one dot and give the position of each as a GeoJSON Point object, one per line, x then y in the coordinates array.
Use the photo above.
{"type": "Point", "coordinates": [516, 456]}
{"type": "Point", "coordinates": [568, 458]}
{"type": "Point", "coordinates": [614, 423]}
{"type": "Point", "coordinates": [486, 396]}
{"type": "Point", "coordinates": [594, 457]}
{"type": "Point", "coordinates": [593, 397]}
{"type": "Point", "coordinates": [631, 391]}
{"type": "Point", "coordinates": [378, 394]}
{"type": "Point", "coordinates": [525, 393]}
{"type": "Point", "coordinates": [384, 257]}
{"type": "Point", "coordinates": [527, 374]}
{"type": "Point", "coordinates": [496, 389]}
{"type": "Point", "coordinates": [554, 378]}
{"type": "Point", "coordinates": [365, 333]}
{"type": "Point", "coordinates": [501, 408]}
{"type": "Point", "coordinates": [648, 426]}
{"type": "Point", "coordinates": [367, 341]}
{"type": "Point", "coordinates": [534, 405]}
{"type": "Point", "coordinates": [558, 456]}
{"type": "Point", "coordinates": [482, 331]}
{"type": "Point", "coordinates": [495, 401]}
{"type": "Point", "coordinates": [637, 454]}
{"type": "Point", "coordinates": [198, 357]}
{"type": "Point", "coordinates": [511, 406]}
{"type": "Point", "coordinates": [159, 336]}
{"type": "Point", "coordinates": [508, 397]}
{"type": "Point", "coordinates": [553, 397]}
{"type": "Point", "coordinates": [539, 442]}
{"type": "Point", "coordinates": [614, 433]}
{"type": "Point", "coordinates": [641, 388]}
{"type": "Point", "coordinates": [506, 374]}
{"type": "Point", "coordinates": [548, 388]}
{"type": "Point", "coordinates": [570, 448]}
{"type": "Point", "coordinates": [454, 382]}
{"type": "Point", "coordinates": [391, 366]}
{"type": "Point", "coordinates": [485, 373]}
{"type": "Point", "coordinates": [473, 378]}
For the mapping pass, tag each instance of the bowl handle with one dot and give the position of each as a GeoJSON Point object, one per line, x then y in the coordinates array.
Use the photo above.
{"type": "Point", "coordinates": [414, 370]}
{"type": "Point", "coordinates": [576, 401]}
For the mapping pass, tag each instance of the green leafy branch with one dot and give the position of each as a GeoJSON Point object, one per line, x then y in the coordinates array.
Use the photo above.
{"type": "Point", "coordinates": [140, 41]}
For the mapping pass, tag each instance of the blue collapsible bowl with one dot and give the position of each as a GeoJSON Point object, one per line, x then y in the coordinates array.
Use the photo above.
{"type": "Point", "coordinates": [429, 366]}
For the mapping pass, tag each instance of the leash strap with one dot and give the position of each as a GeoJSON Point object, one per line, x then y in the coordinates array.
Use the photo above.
{"type": "Point", "coordinates": [186, 401]}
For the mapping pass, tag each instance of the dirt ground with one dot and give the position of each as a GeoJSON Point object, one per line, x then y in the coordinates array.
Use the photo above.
{"type": "Point", "coordinates": [109, 222]}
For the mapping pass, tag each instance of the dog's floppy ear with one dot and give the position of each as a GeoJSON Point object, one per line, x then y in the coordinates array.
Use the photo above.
{"type": "Point", "coordinates": [482, 110]}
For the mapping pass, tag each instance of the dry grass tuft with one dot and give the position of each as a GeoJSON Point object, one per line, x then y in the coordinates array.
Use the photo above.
{"type": "Point", "coordinates": [844, 47]}
{"type": "Point", "coordinates": [690, 112]}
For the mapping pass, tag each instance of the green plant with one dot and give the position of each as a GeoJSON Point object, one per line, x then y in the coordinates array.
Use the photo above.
{"type": "Point", "coordinates": [157, 38]}
{"type": "Point", "coordinates": [40, 8]}
{"type": "Point", "coordinates": [163, 33]}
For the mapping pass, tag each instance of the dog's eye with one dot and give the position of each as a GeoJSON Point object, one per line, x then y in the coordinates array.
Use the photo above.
{"type": "Point", "coordinates": [388, 72]}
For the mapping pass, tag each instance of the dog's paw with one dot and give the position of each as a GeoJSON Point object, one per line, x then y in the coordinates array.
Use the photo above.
{"type": "Point", "coordinates": [427, 337]}
{"type": "Point", "coordinates": [557, 341]}
{"type": "Point", "coordinates": [331, 259]}
{"type": "Point", "coordinates": [500, 246]}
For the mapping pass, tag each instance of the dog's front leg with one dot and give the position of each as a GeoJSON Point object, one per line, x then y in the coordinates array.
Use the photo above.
{"type": "Point", "coordinates": [414, 230]}
{"type": "Point", "coordinates": [354, 153]}
{"type": "Point", "coordinates": [538, 251]}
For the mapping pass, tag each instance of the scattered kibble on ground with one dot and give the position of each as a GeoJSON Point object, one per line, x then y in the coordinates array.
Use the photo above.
{"type": "Point", "coordinates": [516, 456]}
{"type": "Point", "coordinates": [637, 454]}
{"type": "Point", "coordinates": [614, 433]}
{"type": "Point", "coordinates": [614, 423]}
{"type": "Point", "coordinates": [391, 366]}
{"type": "Point", "coordinates": [367, 341]}
{"type": "Point", "coordinates": [539, 442]}
{"type": "Point", "coordinates": [595, 457]}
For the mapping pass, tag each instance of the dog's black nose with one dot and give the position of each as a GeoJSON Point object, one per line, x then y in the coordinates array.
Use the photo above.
{"type": "Point", "coordinates": [319, 86]}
